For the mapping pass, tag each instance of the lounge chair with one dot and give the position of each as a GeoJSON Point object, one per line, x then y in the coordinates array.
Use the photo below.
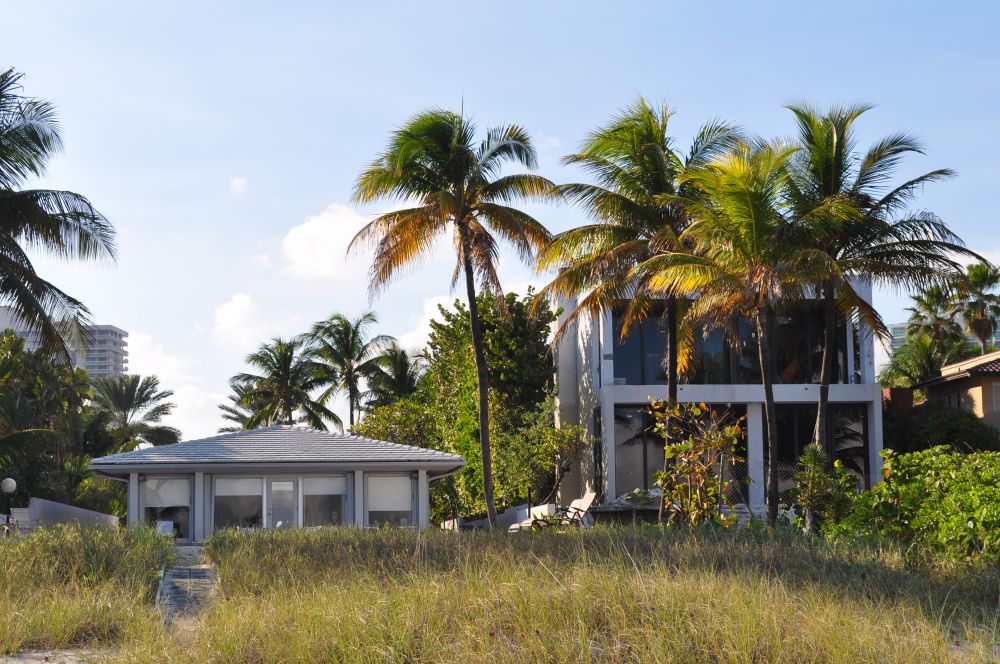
{"type": "Point", "coordinates": [576, 514]}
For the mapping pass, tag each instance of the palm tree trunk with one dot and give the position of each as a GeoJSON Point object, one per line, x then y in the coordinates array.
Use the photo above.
{"type": "Point", "coordinates": [762, 319]}
{"type": "Point", "coordinates": [483, 384]}
{"type": "Point", "coordinates": [827, 368]}
{"type": "Point", "coordinates": [671, 370]}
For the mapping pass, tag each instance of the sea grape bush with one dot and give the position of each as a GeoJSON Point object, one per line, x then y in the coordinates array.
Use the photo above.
{"type": "Point", "coordinates": [939, 498]}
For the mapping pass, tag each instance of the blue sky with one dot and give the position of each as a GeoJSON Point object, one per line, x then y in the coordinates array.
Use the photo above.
{"type": "Point", "coordinates": [223, 139]}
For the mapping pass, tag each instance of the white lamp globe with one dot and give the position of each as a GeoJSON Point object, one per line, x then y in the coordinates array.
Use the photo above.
{"type": "Point", "coordinates": [8, 485]}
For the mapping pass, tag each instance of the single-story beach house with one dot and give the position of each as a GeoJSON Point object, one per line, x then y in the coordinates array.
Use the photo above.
{"type": "Point", "coordinates": [277, 477]}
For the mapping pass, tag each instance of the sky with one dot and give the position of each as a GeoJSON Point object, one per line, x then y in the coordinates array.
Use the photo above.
{"type": "Point", "coordinates": [223, 139]}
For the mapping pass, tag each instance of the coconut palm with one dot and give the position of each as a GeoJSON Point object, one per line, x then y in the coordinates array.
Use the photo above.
{"type": "Point", "coordinates": [235, 412]}
{"type": "Point", "coordinates": [289, 373]}
{"type": "Point", "coordinates": [742, 263]}
{"type": "Point", "coordinates": [61, 223]}
{"type": "Point", "coordinates": [135, 406]}
{"type": "Point", "coordinates": [932, 315]}
{"type": "Point", "coordinates": [920, 359]}
{"type": "Point", "coordinates": [635, 163]}
{"type": "Point", "coordinates": [977, 302]}
{"type": "Point", "coordinates": [349, 357]}
{"type": "Point", "coordinates": [453, 187]}
{"type": "Point", "coordinates": [870, 236]}
{"type": "Point", "coordinates": [397, 374]}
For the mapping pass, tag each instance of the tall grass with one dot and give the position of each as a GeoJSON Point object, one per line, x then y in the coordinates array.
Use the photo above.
{"type": "Point", "coordinates": [601, 595]}
{"type": "Point", "coordinates": [73, 586]}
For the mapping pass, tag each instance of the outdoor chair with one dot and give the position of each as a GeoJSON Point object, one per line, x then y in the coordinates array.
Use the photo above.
{"type": "Point", "coordinates": [576, 514]}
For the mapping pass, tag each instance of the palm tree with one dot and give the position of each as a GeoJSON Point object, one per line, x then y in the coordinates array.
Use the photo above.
{"type": "Point", "coordinates": [742, 263]}
{"type": "Point", "coordinates": [135, 406]}
{"type": "Point", "coordinates": [976, 302]}
{"type": "Point", "coordinates": [235, 412]}
{"type": "Point", "coordinates": [920, 359]}
{"type": "Point", "coordinates": [289, 373]}
{"type": "Point", "coordinates": [635, 164]}
{"type": "Point", "coordinates": [397, 374]}
{"type": "Point", "coordinates": [61, 223]}
{"type": "Point", "coordinates": [870, 236]}
{"type": "Point", "coordinates": [348, 356]}
{"type": "Point", "coordinates": [932, 315]}
{"type": "Point", "coordinates": [454, 187]}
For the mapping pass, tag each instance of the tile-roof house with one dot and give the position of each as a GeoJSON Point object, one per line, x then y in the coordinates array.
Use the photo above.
{"type": "Point", "coordinates": [277, 477]}
{"type": "Point", "coordinates": [973, 385]}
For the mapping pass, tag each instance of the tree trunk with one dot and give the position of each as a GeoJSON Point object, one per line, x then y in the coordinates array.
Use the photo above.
{"type": "Point", "coordinates": [827, 371]}
{"type": "Point", "coordinates": [671, 371]}
{"type": "Point", "coordinates": [762, 319]}
{"type": "Point", "coordinates": [483, 384]}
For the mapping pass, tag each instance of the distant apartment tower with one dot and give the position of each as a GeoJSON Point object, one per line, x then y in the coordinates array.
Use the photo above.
{"type": "Point", "coordinates": [104, 356]}
{"type": "Point", "coordinates": [898, 332]}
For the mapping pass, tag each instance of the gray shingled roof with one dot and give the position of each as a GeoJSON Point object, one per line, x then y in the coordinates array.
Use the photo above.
{"type": "Point", "coordinates": [279, 444]}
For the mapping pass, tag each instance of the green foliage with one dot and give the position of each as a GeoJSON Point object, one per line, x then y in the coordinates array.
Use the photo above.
{"type": "Point", "coordinates": [921, 357]}
{"type": "Point", "coordinates": [822, 492]}
{"type": "Point", "coordinates": [938, 499]}
{"type": "Point", "coordinates": [698, 441]}
{"type": "Point", "coordinates": [135, 406]}
{"type": "Point", "coordinates": [935, 423]}
{"type": "Point", "coordinates": [530, 456]}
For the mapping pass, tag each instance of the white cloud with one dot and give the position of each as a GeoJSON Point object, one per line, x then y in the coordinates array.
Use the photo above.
{"type": "Point", "coordinates": [240, 325]}
{"type": "Point", "coordinates": [416, 338]}
{"type": "Point", "coordinates": [549, 142]}
{"type": "Point", "coordinates": [316, 249]}
{"type": "Point", "coordinates": [196, 413]}
{"type": "Point", "coordinates": [238, 187]}
{"type": "Point", "coordinates": [260, 260]}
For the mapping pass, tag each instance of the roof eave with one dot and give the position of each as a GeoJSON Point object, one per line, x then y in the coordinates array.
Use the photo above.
{"type": "Point", "coordinates": [277, 467]}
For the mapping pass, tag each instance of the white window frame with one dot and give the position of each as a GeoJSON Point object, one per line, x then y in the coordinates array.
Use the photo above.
{"type": "Point", "coordinates": [413, 496]}
{"type": "Point", "coordinates": [172, 476]}
{"type": "Point", "coordinates": [349, 497]}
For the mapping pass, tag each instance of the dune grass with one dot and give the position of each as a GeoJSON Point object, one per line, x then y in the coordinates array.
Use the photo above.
{"type": "Point", "coordinates": [72, 586]}
{"type": "Point", "coordinates": [601, 595]}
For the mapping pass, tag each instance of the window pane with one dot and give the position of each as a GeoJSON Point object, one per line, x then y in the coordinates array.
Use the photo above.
{"type": "Point", "coordinates": [239, 502]}
{"type": "Point", "coordinates": [390, 500]}
{"type": "Point", "coordinates": [627, 353]}
{"type": "Point", "coordinates": [324, 501]}
{"type": "Point", "coordinates": [654, 351]}
{"type": "Point", "coordinates": [710, 358]}
{"type": "Point", "coordinates": [169, 500]}
{"type": "Point", "coordinates": [629, 450]}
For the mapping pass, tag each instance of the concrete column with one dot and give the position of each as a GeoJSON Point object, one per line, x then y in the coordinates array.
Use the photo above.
{"type": "Point", "coordinates": [359, 499]}
{"type": "Point", "coordinates": [423, 499]}
{"type": "Point", "coordinates": [608, 440]}
{"type": "Point", "coordinates": [875, 437]}
{"type": "Point", "coordinates": [198, 508]}
{"type": "Point", "coordinates": [134, 517]}
{"type": "Point", "coordinates": [755, 452]}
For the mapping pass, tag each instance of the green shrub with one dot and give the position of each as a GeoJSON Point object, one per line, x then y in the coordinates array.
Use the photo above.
{"type": "Point", "coordinates": [823, 493]}
{"type": "Point", "coordinates": [937, 498]}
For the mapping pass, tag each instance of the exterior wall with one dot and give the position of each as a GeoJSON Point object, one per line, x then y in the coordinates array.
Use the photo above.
{"type": "Point", "coordinates": [201, 509]}
{"type": "Point", "coordinates": [592, 398]}
{"type": "Point", "coordinates": [977, 394]}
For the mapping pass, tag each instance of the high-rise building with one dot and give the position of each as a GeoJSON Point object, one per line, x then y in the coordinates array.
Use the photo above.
{"type": "Point", "coordinates": [898, 332]}
{"type": "Point", "coordinates": [105, 354]}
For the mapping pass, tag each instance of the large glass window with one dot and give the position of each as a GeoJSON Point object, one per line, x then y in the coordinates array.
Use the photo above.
{"type": "Point", "coordinates": [632, 468]}
{"type": "Point", "coordinates": [239, 502]}
{"type": "Point", "coordinates": [168, 500]}
{"type": "Point", "coordinates": [324, 501]}
{"type": "Point", "coordinates": [391, 500]}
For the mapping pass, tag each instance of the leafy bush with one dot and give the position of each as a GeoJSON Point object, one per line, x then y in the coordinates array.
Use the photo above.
{"type": "Point", "coordinates": [935, 423]}
{"type": "Point", "coordinates": [697, 441]}
{"type": "Point", "coordinates": [823, 493]}
{"type": "Point", "coordinates": [938, 498]}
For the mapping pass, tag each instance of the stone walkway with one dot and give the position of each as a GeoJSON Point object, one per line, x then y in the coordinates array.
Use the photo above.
{"type": "Point", "coordinates": [186, 588]}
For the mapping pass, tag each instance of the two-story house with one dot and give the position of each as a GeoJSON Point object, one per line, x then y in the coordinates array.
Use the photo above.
{"type": "Point", "coordinates": [605, 381]}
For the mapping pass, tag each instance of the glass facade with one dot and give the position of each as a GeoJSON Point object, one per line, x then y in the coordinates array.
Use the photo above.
{"type": "Point", "coordinates": [797, 351]}
{"type": "Point", "coordinates": [168, 500]}
{"type": "Point", "coordinates": [391, 500]}
{"type": "Point", "coordinates": [239, 502]}
{"type": "Point", "coordinates": [324, 501]}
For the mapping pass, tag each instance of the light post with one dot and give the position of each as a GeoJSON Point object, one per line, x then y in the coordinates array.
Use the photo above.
{"type": "Point", "coordinates": [7, 487]}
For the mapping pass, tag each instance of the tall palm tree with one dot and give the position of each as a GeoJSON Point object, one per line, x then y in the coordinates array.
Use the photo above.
{"type": "Point", "coordinates": [348, 356]}
{"type": "Point", "coordinates": [135, 406]}
{"type": "Point", "coordinates": [62, 223]}
{"type": "Point", "coordinates": [455, 188]}
{"type": "Point", "coordinates": [742, 263]}
{"type": "Point", "coordinates": [635, 164]}
{"type": "Point", "coordinates": [977, 302]}
{"type": "Point", "coordinates": [289, 373]}
{"type": "Point", "coordinates": [920, 359]}
{"type": "Point", "coordinates": [932, 315]}
{"type": "Point", "coordinates": [868, 235]}
{"type": "Point", "coordinates": [235, 411]}
{"type": "Point", "coordinates": [397, 374]}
